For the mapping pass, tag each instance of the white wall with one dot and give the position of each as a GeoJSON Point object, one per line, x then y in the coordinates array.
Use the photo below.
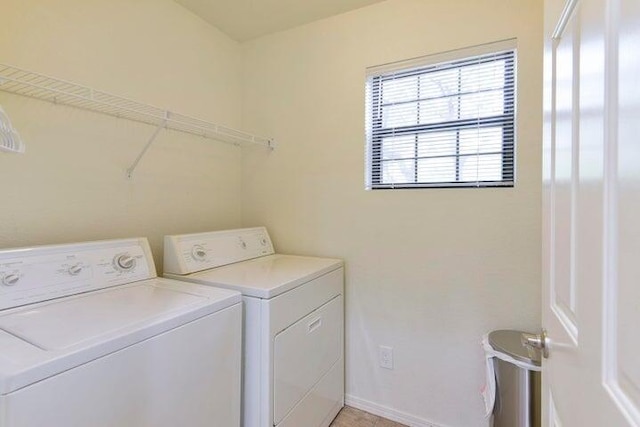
{"type": "Point", "coordinates": [427, 271]}
{"type": "Point", "coordinates": [71, 185]}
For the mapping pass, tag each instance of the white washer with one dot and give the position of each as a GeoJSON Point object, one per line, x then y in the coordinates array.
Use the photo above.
{"type": "Point", "coordinates": [90, 337]}
{"type": "Point", "coordinates": [293, 322]}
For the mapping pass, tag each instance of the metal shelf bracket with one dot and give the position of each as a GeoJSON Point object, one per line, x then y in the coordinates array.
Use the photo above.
{"type": "Point", "coordinates": [146, 147]}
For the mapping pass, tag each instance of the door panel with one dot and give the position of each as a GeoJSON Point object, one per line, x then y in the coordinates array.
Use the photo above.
{"type": "Point", "coordinates": [566, 55]}
{"type": "Point", "coordinates": [622, 298]}
{"type": "Point", "coordinates": [553, 415]}
{"type": "Point", "coordinates": [591, 206]}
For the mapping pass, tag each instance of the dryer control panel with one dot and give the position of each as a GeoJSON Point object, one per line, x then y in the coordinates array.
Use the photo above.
{"type": "Point", "coordinates": [30, 275]}
{"type": "Point", "coordinates": [188, 253]}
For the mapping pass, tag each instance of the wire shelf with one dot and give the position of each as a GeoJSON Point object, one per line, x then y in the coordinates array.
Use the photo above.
{"type": "Point", "coordinates": [39, 86]}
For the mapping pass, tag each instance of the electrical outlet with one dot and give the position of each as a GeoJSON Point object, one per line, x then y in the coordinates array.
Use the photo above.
{"type": "Point", "coordinates": [385, 356]}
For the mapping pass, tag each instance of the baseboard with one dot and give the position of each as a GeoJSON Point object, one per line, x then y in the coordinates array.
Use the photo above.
{"type": "Point", "coordinates": [388, 413]}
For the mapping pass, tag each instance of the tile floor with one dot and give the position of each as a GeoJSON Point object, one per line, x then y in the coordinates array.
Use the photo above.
{"type": "Point", "coordinates": [351, 417]}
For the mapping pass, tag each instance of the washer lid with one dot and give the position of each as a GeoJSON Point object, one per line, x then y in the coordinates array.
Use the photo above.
{"type": "Point", "coordinates": [42, 340]}
{"type": "Point", "coordinates": [268, 276]}
{"type": "Point", "coordinates": [509, 342]}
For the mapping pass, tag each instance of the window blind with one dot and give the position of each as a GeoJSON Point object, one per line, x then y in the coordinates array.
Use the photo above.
{"type": "Point", "coordinates": [442, 124]}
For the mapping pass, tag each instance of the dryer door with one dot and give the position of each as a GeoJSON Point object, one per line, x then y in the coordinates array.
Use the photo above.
{"type": "Point", "coordinates": [303, 353]}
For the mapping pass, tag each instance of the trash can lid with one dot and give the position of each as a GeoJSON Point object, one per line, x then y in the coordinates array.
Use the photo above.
{"type": "Point", "coordinates": [509, 342]}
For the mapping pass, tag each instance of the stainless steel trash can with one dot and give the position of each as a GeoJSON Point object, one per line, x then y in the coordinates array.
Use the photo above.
{"type": "Point", "coordinates": [517, 388]}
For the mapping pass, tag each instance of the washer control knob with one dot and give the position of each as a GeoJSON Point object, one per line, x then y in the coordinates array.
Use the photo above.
{"type": "Point", "coordinates": [10, 279]}
{"type": "Point", "coordinates": [199, 253]}
{"type": "Point", "coordinates": [243, 244]}
{"type": "Point", "coordinates": [125, 262]}
{"type": "Point", "coordinates": [263, 241]}
{"type": "Point", "coordinates": [75, 269]}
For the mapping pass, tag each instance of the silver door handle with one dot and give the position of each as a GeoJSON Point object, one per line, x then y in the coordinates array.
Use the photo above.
{"type": "Point", "coordinates": [541, 342]}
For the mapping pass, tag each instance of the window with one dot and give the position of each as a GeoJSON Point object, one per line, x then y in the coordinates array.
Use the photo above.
{"type": "Point", "coordinates": [443, 121]}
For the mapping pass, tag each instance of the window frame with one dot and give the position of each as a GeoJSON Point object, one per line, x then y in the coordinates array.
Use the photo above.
{"type": "Point", "coordinates": [457, 60]}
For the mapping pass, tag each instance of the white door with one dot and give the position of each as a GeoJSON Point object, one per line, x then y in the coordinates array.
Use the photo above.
{"type": "Point", "coordinates": [591, 211]}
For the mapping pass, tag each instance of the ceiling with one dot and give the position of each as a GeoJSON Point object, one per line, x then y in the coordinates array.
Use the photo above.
{"type": "Point", "coordinates": [247, 19]}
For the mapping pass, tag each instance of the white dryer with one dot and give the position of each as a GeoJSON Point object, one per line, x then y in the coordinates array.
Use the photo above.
{"type": "Point", "coordinates": [90, 337]}
{"type": "Point", "coordinates": [293, 322]}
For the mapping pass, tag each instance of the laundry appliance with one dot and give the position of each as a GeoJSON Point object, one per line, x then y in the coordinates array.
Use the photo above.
{"type": "Point", "coordinates": [293, 362]}
{"type": "Point", "coordinates": [90, 337]}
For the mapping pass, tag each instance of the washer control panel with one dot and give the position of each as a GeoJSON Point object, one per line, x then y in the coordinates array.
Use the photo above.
{"type": "Point", "coordinates": [188, 253]}
{"type": "Point", "coordinates": [30, 275]}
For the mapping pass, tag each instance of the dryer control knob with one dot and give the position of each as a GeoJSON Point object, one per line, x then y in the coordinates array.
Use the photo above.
{"type": "Point", "coordinates": [199, 253]}
{"type": "Point", "coordinates": [125, 262]}
{"type": "Point", "coordinates": [10, 279]}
